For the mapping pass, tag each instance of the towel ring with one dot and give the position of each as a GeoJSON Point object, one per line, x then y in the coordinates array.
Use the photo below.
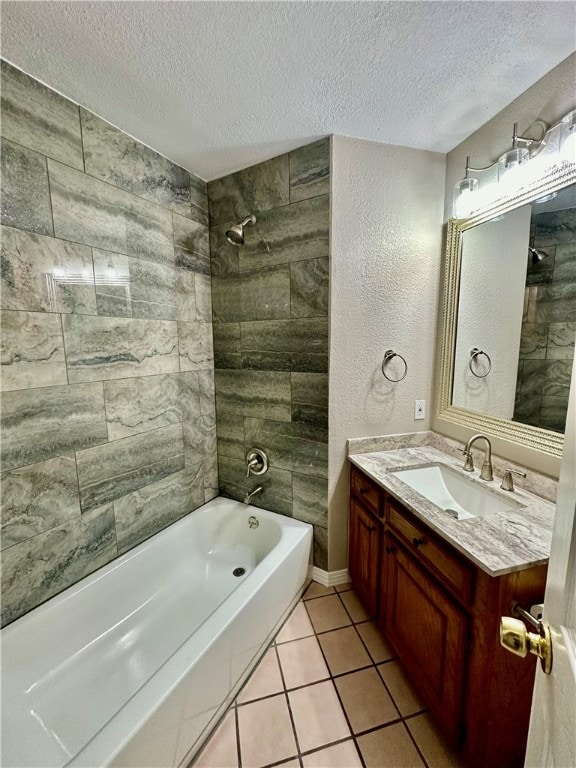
{"type": "Point", "coordinates": [474, 353]}
{"type": "Point", "coordinates": [388, 355]}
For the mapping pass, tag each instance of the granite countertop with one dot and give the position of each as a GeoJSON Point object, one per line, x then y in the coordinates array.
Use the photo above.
{"type": "Point", "coordinates": [500, 543]}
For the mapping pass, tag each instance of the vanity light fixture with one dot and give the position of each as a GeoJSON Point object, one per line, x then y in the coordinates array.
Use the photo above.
{"type": "Point", "coordinates": [518, 166]}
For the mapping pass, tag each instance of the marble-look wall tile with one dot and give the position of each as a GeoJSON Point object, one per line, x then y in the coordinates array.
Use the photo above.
{"type": "Point", "coordinates": [195, 345]}
{"type": "Point", "coordinates": [533, 341]}
{"type": "Point", "coordinates": [258, 188]}
{"type": "Point", "coordinates": [39, 118]}
{"type": "Point", "coordinates": [148, 510]}
{"type": "Point", "coordinates": [320, 547]}
{"type": "Point", "coordinates": [207, 389]}
{"type": "Point", "coordinates": [43, 274]}
{"type": "Point", "coordinates": [38, 497]}
{"type": "Point", "coordinates": [230, 434]}
{"type": "Point", "coordinates": [39, 424]}
{"type": "Point", "coordinates": [549, 378]}
{"type": "Point", "coordinates": [186, 295]}
{"type": "Point", "coordinates": [553, 412]}
{"type": "Point", "coordinates": [310, 171]}
{"type": "Point", "coordinates": [555, 303]}
{"type": "Point", "coordinates": [310, 499]}
{"type": "Point", "coordinates": [32, 350]}
{"type": "Point", "coordinates": [310, 398]}
{"type": "Point", "coordinates": [99, 348]}
{"type": "Point", "coordinates": [108, 472]}
{"type": "Point", "coordinates": [129, 287]}
{"type": "Point", "coordinates": [149, 402]}
{"type": "Point", "coordinates": [561, 339]}
{"type": "Point", "coordinates": [191, 245]}
{"type": "Point", "coordinates": [199, 199]}
{"type": "Point", "coordinates": [286, 345]}
{"type": "Point", "coordinates": [224, 257]}
{"type": "Point", "coordinates": [90, 211]}
{"type": "Point", "coordinates": [263, 394]}
{"type": "Point", "coordinates": [262, 294]}
{"type": "Point", "coordinates": [203, 290]}
{"type": "Point", "coordinates": [38, 568]}
{"type": "Point", "coordinates": [297, 447]}
{"type": "Point", "coordinates": [309, 288]}
{"type": "Point", "coordinates": [25, 201]}
{"type": "Point", "coordinates": [227, 345]}
{"type": "Point", "coordinates": [276, 484]}
{"type": "Point", "coordinates": [553, 228]}
{"type": "Point", "coordinates": [210, 471]}
{"type": "Point", "coordinates": [565, 263]}
{"type": "Point", "coordinates": [115, 157]}
{"type": "Point", "coordinates": [296, 232]}
{"type": "Point", "coordinates": [199, 438]}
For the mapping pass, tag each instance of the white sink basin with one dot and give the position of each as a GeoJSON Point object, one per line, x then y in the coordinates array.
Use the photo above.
{"type": "Point", "coordinates": [453, 493]}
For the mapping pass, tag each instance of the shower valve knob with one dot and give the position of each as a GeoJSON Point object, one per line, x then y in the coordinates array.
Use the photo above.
{"type": "Point", "coordinates": [256, 462]}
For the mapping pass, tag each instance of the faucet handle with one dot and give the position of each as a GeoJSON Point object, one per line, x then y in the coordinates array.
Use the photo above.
{"type": "Point", "coordinates": [507, 483]}
{"type": "Point", "coordinates": [468, 460]}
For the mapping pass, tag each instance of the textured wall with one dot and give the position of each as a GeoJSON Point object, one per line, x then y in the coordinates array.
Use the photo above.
{"type": "Point", "coordinates": [491, 301]}
{"type": "Point", "coordinates": [549, 323]}
{"type": "Point", "coordinates": [386, 245]}
{"type": "Point", "coordinates": [108, 425]}
{"type": "Point", "coordinates": [270, 311]}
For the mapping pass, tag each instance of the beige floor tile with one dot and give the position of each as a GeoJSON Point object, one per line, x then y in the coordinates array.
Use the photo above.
{"type": "Point", "coordinates": [266, 734]}
{"type": "Point", "coordinates": [389, 747]}
{"type": "Point", "coordinates": [265, 680]}
{"type": "Point", "coordinates": [366, 700]}
{"type": "Point", "coordinates": [354, 606]}
{"type": "Point", "coordinates": [430, 742]}
{"type": "Point", "coordinates": [295, 763]}
{"type": "Point", "coordinates": [404, 695]}
{"type": "Point", "coordinates": [343, 755]}
{"type": "Point", "coordinates": [343, 587]}
{"type": "Point", "coordinates": [298, 625]}
{"type": "Point", "coordinates": [302, 662]}
{"type": "Point", "coordinates": [317, 590]}
{"type": "Point", "coordinates": [221, 751]}
{"type": "Point", "coordinates": [318, 715]}
{"type": "Point", "coordinates": [343, 650]}
{"type": "Point", "coordinates": [327, 613]}
{"type": "Point", "coordinates": [377, 646]}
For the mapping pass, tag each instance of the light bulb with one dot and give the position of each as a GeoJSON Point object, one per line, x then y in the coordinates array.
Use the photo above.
{"type": "Point", "coordinates": [58, 271]}
{"type": "Point", "coordinates": [568, 137]}
{"type": "Point", "coordinates": [465, 198]}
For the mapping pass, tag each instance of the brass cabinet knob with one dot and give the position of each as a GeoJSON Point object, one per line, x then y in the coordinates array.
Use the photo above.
{"type": "Point", "coordinates": [515, 638]}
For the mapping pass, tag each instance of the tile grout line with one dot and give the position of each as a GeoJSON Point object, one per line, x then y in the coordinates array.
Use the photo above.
{"type": "Point", "coordinates": [287, 699]}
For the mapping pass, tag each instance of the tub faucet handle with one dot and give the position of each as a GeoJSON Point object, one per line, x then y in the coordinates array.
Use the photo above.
{"type": "Point", "coordinates": [256, 462]}
{"type": "Point", "coordinates": [252, 464]}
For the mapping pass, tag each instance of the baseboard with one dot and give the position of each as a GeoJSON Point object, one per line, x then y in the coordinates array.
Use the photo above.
{"type": "Point", "coordinates": [330, 578]}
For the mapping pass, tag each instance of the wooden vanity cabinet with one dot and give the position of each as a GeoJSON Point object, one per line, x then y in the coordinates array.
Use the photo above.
{"type": "Point", "coordinates": [441, 613]}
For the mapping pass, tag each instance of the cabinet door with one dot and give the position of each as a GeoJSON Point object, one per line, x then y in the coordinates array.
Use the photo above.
{"type": "Point", "coordinates": [364, 555]}
{"type": "Point", "coordinates": [429, 633]}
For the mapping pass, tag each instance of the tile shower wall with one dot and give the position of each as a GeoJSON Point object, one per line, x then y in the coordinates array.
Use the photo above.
{"type": "Point", "coordinates": [270, 312]}
{"type": "Point", "coordinates": [549, 323]}
{"type": "Point", "coordinates": [108, 414]}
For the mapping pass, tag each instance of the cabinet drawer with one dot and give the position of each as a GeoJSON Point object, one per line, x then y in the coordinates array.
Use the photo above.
{"type": "Point", "coordinates": [448, 566]}
{"type": "Point", "coordinates": [368, 492]}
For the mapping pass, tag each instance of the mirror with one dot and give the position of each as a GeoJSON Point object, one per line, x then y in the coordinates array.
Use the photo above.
{"type": "Point", "coordinates": [509, 317]}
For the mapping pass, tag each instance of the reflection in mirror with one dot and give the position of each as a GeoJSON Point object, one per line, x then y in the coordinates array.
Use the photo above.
{"type": "Point", "coordinates": [516, 321]}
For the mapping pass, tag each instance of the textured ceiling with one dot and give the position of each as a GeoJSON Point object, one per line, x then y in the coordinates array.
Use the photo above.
{"type": "Point", "coordinates": [217, 86]}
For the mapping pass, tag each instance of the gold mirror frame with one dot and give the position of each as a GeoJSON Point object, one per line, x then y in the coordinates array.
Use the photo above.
{"type": "Point", "coordinates": [531, 437]}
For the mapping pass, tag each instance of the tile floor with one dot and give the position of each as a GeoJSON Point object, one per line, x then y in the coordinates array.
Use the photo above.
{"type": "Point", "coordinates": [328, 693]}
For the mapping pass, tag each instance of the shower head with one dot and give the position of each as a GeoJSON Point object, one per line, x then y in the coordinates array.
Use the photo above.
{"type": "Point", "coordinates": [235, 235]}
{"type": "Point", "coordinates": [537, 255]}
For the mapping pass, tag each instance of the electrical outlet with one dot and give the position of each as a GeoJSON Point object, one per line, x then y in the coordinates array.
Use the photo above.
{"type": "Point", "coordinates": [419, 409]}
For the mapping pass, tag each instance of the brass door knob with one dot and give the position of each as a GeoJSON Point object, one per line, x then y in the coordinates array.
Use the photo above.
{"type": "Point", "coordinates": [515, 638]}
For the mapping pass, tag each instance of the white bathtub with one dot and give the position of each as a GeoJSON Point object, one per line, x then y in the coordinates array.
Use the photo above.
{"type": "Point", "coordinates": [133, 665]}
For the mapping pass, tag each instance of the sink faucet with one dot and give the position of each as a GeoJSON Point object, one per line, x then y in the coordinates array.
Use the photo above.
{"type": "Point", "coordinates": [249, 494]}
{"type": "Point", "coordinates": [486, 473]}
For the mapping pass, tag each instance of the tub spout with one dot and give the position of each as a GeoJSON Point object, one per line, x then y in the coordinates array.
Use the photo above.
{"type": "Point", "coordinates": [250, 494]}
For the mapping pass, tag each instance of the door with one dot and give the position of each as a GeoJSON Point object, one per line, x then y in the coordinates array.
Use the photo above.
{"type": "Point", "coordinates": [552, 735]}
{"type": "Point", "coordinates": [364, 555]}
